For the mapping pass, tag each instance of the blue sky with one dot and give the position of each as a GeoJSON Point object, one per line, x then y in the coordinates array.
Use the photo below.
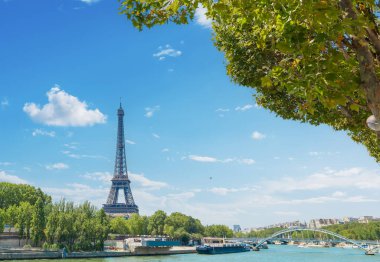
{"type": "Point", "coordinates": [196, 142]}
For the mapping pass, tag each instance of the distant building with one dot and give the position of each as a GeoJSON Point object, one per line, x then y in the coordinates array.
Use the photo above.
{"type": "Point", "coordinates": [365, 219]}
{"type": "Point", "coordinates": [236, 228]}
{"type": "Point", "coordinates": [349, 220]}
{"type": "Point", "coordinates": [323, 222]}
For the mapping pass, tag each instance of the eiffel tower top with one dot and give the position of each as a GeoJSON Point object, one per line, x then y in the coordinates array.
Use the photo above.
{"type": "Point", "coordinates": [120, 170]}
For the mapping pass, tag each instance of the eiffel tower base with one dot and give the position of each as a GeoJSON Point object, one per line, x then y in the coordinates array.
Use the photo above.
{"type": "Point", "coordinates": [120, 210]}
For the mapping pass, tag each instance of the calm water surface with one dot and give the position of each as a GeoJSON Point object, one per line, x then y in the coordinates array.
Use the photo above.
{"type": "Point", "coordinates": [274, 253]}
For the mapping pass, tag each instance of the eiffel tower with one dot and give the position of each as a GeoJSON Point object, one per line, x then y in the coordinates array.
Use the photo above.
{"type": "Point", "coordinates": [120, 180]}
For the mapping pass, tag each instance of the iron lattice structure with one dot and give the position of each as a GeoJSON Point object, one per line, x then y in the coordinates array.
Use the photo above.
{"type": "Point", "coordinates": [120, 180]}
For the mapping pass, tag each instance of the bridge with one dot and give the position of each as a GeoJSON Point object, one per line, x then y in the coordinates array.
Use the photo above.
{"type": "Point", "coordinates": [324, 231]}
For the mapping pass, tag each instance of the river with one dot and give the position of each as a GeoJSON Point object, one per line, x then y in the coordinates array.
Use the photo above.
{"type": "Point", "coordinates": [274, 253]}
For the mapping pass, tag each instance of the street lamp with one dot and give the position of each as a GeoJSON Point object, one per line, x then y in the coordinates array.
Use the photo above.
{"type": "Point", "coordinates": [373, 124]}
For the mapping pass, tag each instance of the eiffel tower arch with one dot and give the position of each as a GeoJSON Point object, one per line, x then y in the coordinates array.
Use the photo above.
{"type": "Point", "coordinates": [120, 180]}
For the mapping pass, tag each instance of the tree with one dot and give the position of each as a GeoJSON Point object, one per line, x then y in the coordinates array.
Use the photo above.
{"type": "Point", "coordinates": [138, 225]}
{"type": "Point", "coordinates": [218, 231]}
{"type": "Point", "coordinates": [118, 225]}
{"type": "Point", "coordinates": [24, 220]}
{"type": "Point", "coordinates": [38, 222]}
{"type": "Point", "coordinates": [2, 220]}
{"type": "Point", "coordinates": [312, 61]}
{"type": "Point", "coordinates": [14, 194]}
{"type": "Point", "coordinates": [156, 223]}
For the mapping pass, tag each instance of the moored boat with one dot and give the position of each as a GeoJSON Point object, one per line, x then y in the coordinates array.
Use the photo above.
{"type": "Point", "coordinates": [213, 246]}
{"type": "Point", "coordinates": [222, 248]}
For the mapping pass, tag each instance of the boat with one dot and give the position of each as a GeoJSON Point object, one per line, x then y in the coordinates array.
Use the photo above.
{"type": "Point", "coordinates": [150, 245]}
{"type": "Point", "coordinates": [213, 246]}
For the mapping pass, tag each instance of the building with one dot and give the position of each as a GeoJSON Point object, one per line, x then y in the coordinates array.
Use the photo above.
{"type": "Point", "coordinates": [236, 228]}
{"type": "Point", "coordinates": [322, 222]}
{"type": "Point", "coordinates": [120, 180]}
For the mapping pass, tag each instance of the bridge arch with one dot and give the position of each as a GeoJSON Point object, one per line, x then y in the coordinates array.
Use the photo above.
{"type": "Point", "coordinates": [296, 229]}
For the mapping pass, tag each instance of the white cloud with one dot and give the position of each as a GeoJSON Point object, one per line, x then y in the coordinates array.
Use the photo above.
{"type": "Point", "coordinates": [4, 102]}
{"type": "Point", "coordinates": [201, 18]}
{"type": "Point", "coordinates": [80, 156]}
{"type": "Point", "coordinates": [348, 178]}
{"type": "Point", "coordinates": [243, 108]}
{"type": "Point", "coordinates": [104, 177]}
{"type": "Point", "coordinates": [41, 132]}
{"type": "Point", "coordinates": [71, 145]}
{"type": "Point", "coordinates": [224, 191]}
{"type": "Point", "coordinates": [155, 135]}
{"type": "Point", "coordinates": [149, 111]}
{"type": "Point", "coordinates": [167, 51]}
{"type": "Point", "coordinates": [90, 2]}
{"type": "Point", "coordinates": [247, 161]}
{"type": "Point", "coordinates": [4, 177]}
{"type": "Point", "coordinates": [165, 150]}
{"type": "Point", "coordinates": [130, 142]}
{"type": "Point", "coordinates": [145, 182]}
{"type": "Point", "coordinates": [286, 213]}
{"type": "Point", "coordinates": [64, 109]}
{"type": "Point", "coordinates": [257, 135]}
{"type": "Point", "coordinates": [207, 159]}
{"type": "Point", "coordinates": [222, 110]}
{"type": "Point", "coordinates": [57, 166]}
{"type": "Point", "coordinates": [6, 163]}
{"type": "Point", "coordinates": [78, 193]}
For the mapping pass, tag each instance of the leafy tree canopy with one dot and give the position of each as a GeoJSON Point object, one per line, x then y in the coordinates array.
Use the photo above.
{"type": "Point", "coordinates": [312, 61]}
{"type": "Point", "coordinates": [14, 194]}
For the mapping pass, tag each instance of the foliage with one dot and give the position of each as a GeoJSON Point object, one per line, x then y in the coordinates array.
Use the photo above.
{"type": "Point", "coordinates": [138, 225]}
{"type": "Point", "coordinates": [119, 225]}
{"type": "Point", "coordinates": [218, 231]}
{"type": "Point", "coordinates": [77, 227]}
{"type": "Point", "coordinates": [38, 222]}
{"type": "Point", "coordinates": [263, 233]}
{"type": "Point", "coordinates": [14, 194]}
{"type": "Point", "coordinates": [312, 61]}
{"type": "Point", "coordinates": [358, 231]}
{"type": "Point", "coordinates": [157, 223]}
{"type": "Point", "coordinates": [2, 220]}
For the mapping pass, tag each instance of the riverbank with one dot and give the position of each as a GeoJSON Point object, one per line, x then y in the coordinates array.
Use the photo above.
{"type": "Point", "coordinates": [35, 254]}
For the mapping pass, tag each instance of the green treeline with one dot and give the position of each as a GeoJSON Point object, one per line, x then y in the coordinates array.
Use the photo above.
{"type": "Point", "coordinates": [83, 227]}
{"type": "Point", "coordinates": [357, 231]}
{"type": "Point", "coordinates": [176, 225]}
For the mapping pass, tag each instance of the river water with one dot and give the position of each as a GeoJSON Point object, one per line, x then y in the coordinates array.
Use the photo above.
{"type": "Point", "coordinates": [274, 253]}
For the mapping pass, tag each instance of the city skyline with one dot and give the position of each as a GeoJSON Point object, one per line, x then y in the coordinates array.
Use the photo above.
{"type": "Point", "coordinates": [195, 142]}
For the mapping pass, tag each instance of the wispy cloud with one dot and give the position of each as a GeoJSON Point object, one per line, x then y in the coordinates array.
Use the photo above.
{"type": "Point", "coordinates": [222, 110]}
{"type": "Point", "coordinates": [81, 156]}
{"type": "Point", "coordinates": [347, 178]}
{"type": "Point", "coordinates": [164, 150]}
{"type": "Point", "coordinates": [6, 163]}
{"type": "Point", "coordinates": [130, 142]}
{"type": "Point", "coordinates": [155, 135]}
{"type": "Point", "coordinates": [4, 177]}
{"type": "Point", "coordinates": [104, 177]}
{"type": "Point", "coordinates": [64, 109]}
{"type": "Point", "coordinates": [224, 191]}
{"type": "Point", "coordinates": [4, 102]}
{"type": "Point", "coordinates": [256, 135]}
{"type": "Point", "coordinates": [201, 18]}
{"type": "Point", "coordinates": [166, 51]}
{"type": "Point", "coordinates": [57, 166]}
{"type": "Point", "coordinates": [150, 111]}
{"type": "Point", "coordinates": [243, 108]}
{"type": "Point", "coordinates": [90, 2]}
{"type": "Point", "coordinates": [209, 159]}
{"type": "Point", "coordinates": [41, 132]}
{"type": "Point", "coordinates": [146, 183]}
